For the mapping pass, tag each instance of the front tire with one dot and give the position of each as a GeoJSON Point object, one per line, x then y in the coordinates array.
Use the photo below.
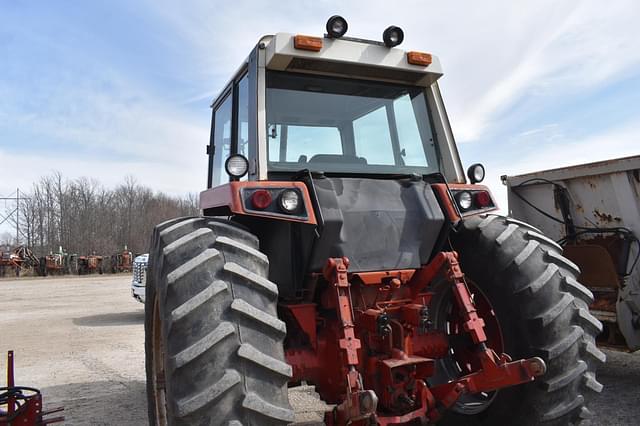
{"type": "Point", "coordinates": [542, 311]}
{"type": "Point", "coordinates": [213, 341]}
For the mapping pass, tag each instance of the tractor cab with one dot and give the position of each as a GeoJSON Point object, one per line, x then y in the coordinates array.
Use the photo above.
{"type": "Point", "coordinates": [332, 104]}
{"type": "Point", "coordinates": [346, 135]}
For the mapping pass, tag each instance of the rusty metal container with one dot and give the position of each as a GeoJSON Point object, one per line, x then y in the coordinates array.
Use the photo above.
{"type": "Point", "coordinates": [593, 210]}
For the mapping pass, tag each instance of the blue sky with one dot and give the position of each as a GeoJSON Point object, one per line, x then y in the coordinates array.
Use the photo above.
{"type": "Point", "coordinates": [113, 88]}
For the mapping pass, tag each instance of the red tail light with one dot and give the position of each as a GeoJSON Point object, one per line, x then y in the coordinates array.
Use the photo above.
{"type": "Point", "coordinates": [483, 199]}
{"type": "Point", "coordinates": [261, 199]}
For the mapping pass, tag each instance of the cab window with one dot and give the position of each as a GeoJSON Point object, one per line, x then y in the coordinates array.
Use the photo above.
{"type": "Point", "coordinates": [230, 134]}
{"type": "Point", "coordinates": [221, 140]}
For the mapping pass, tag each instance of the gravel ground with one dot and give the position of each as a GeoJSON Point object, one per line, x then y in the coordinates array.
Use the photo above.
{"type": "Point", "coordinates": [80, 340]}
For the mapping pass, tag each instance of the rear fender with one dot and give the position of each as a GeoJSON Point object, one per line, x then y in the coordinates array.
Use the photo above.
{"type": "Point", "coordinates": [235, 198]}
{"type": "Point", "coordinates": [446, 193]}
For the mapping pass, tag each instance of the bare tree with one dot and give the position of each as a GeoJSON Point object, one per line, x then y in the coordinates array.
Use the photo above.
{"type": "Point", "coordinates": [84, 217]}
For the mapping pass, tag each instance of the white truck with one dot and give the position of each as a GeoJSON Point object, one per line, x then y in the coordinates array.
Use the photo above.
{"type": "Point", "coordinates": [593, 211]}
{"type": "Point", "coordinates": [139, 279]}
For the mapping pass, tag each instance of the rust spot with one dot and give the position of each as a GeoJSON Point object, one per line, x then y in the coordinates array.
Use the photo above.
{"type": "Point", "coordinates": [606, 217]}
{"type": "Point", "coordinates": [604, 301]}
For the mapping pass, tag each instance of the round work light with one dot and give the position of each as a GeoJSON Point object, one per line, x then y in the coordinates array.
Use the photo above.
{"type": "Point", "coordinates": [236, 166]}
{"type": "Point", "coordinates": [393, 36]}
{"type": "Point", "coordinates": [336, 26]}
{"type": "Point", "coordinates": [475, 173]}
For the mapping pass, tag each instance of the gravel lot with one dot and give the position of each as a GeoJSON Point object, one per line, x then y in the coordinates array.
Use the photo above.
{"type": "Point", "coordinates": [80, 340]}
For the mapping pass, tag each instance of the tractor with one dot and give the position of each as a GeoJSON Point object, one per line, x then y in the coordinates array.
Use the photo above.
{"type": "Point", "coordinates": [342, 246]}
{"type": "Point", "coordinates": [121, 262]}
{"type": "Point", "coordinates": [89, 264]}
{"type": "Point", "coordinates": [59, 263]}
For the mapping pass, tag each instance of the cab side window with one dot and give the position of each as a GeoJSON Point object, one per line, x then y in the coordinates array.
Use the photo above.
{"type": "Point", "coordinates": [221, 140]}
{"type": "Point", "coordinates": [230, 129]}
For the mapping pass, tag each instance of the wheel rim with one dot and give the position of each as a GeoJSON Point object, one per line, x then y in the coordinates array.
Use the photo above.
{"type": "Point", "coordinates": [159, 383]}
{"type": "Point", "coordinates": [462, 360]}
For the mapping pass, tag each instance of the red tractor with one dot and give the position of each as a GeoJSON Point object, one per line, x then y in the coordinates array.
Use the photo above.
{"type": "Point", "coordinates": [341, 246]}
{"type": "Point", "coordinates": [121, 262]}
{"type": "Point", "coordinates": [89, 264]}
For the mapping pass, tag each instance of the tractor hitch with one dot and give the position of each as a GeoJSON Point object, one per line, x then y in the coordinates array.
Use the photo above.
{"type": "Point", "coordinates": [386, 374]}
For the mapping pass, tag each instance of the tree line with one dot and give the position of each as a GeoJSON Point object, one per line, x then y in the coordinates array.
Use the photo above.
{"type": "Point", "coordinates": [82, 216]}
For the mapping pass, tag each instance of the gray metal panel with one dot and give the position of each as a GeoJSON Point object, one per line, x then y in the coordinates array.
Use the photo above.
{"type": "Point", "coordinates": [582, 170]}
{"type": "Point", "coordinates": [450, 159]}
{"type": "Point", "coordinates": [262, 111]}
{"type": "Point", "coordinates": [603, 194]}
{"type": "Point", "coordinates": [377, 224]}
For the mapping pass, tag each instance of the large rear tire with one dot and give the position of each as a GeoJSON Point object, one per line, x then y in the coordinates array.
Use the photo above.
{"type": "Point", "coordinates": [542, 311]}
{"type": "Point", "coordinates": [213, 341]}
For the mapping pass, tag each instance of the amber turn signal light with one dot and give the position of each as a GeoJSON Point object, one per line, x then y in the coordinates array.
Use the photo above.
{"type": "Point", "coordinates": [419, 58]}
{"type": "Point", "coordinates": [307, 43]}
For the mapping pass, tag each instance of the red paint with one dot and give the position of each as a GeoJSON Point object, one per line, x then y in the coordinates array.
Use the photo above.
{"type": "Point", "coordinates": [27, 408]}
{"type": "Point", "coordinates": [370, 342]}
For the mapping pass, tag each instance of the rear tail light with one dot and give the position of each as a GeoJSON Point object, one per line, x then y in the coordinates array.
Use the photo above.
{"type": "Point", "coordinates": [483, 199]}
{"type": "Point", "coordinates": [261, 199]}
{"type": "Point", "coordinates": [276, 199]}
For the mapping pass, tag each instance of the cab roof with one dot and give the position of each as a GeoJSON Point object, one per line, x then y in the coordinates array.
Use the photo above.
{"type": "Point", "coordinates": [347, 57]}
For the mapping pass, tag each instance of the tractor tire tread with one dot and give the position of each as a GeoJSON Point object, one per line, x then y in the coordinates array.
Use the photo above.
{"type": "Point", "coordinates": [224, 356]}
{"type": "Point", "coordinates": [555, 305]}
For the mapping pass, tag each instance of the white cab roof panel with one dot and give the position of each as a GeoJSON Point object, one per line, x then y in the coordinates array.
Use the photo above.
{"type": "Point", "coordinates": [354, 59]}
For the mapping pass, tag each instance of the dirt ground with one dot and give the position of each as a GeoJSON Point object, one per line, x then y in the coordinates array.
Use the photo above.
{"type": "Point", "coordinates": [80, 340]}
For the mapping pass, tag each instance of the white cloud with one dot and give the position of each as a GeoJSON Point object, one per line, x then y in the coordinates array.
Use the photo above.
{"type": "Point", "coordinates": [614, 143]}
{"type": "Point", "coordinates": [493, 52]}
{"type": "Point", "coordinates": [556, 48]}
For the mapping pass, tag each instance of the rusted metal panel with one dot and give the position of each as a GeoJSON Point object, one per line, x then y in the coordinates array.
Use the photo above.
{"type": "Point", "coordinates": [597, 269]}
{"type": "Point", "coordinates": [603, 195]}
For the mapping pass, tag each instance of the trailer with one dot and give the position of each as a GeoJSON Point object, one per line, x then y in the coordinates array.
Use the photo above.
{"type": "Point", "coordinates": [592, 211]}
